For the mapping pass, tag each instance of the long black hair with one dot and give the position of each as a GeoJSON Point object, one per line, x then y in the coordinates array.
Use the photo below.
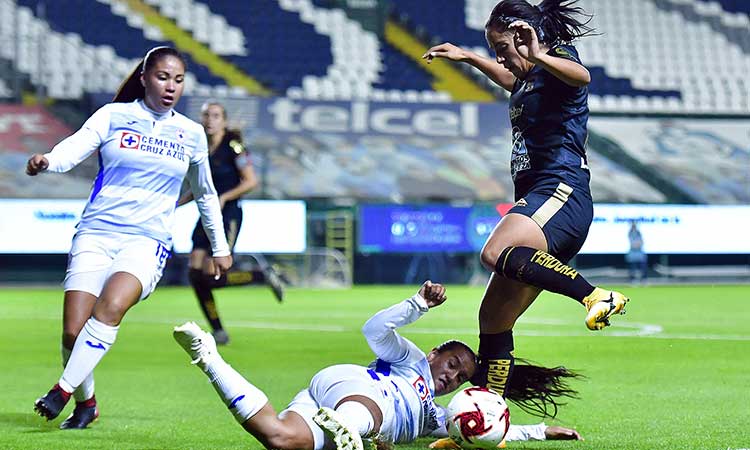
{"type": "Point", "coordinates": [537, 390]}
{"type": "Point", "coordinates": [553, 20]}
{"type": "Point", "coordinates": [131, 88]}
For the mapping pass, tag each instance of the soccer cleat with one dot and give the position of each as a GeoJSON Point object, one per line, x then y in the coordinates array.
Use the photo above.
{"type": "Point", "coordinates": [52, 403]}
{"type": "Point", "coordinates": [332, 424]}
{"type": "Point", "coordinates": [274, 282]}
{"type": "Point", "coordinates": [221, 337]}
{"type": "Point", "coordinates": [84, 414]}
{"type": "Point", "coordinates": [602, 305]}
{"type": "Point", "coordinates": [197, 343]}
{"type": "Point", "coordinates": [444, 443]}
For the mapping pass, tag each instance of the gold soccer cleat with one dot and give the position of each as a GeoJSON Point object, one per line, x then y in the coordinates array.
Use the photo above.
{"type": "Point", "coordinates": [601, 305]}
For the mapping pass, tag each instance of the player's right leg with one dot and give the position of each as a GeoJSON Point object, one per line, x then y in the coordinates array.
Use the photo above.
{"type": "Point", "coordinates": [88, 266]}
{"type": "Point", "coordinates": [77, 309]}
{"type": "Point", "coordinates": [248, 404]}
{"type": "Point", "coordinates": [503, 303]}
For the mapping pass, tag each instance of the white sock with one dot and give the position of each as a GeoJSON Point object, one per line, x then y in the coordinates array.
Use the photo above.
{"type": "Point", "coordinates": [91, 345]}
{"type": "Point", "coordinates": [357, 417]}
{"type": "Point", "coordinates": [86, 390]}
{"type": "Point", "coordinates": [242, 398]}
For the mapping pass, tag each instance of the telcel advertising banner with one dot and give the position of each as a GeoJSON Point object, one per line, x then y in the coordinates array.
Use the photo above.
{"type": "Point", "coordinates": [48, 226]}
{"type": "Point", "coordinates": [666, 229]}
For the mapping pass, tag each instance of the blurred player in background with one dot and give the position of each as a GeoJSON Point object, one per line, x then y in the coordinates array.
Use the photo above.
{"type": "Point", "coordinates": [636, 257]}
{"type": "Point", "coordinates": [529, 249]}
{"type": "Point", "coordinates": [391, 400]}
{"type": "Point", "coordinates": [233, 176]}
{"type": "Point", "coordinates": [145, 150]}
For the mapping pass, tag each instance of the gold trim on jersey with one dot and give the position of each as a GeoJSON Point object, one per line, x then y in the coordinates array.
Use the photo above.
{"type": "Point", "coordinates": [552, 205]}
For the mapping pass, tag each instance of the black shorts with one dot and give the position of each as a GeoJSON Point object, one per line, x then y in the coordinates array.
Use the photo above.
{"type": "Point", "coordinates": [563, 213]}
{"type": "Point", "coordinates": [232, 221]}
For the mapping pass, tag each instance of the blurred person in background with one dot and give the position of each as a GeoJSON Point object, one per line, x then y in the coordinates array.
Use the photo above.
{"type": "Point", "coordinates": [233, 176]}
{"type": "Point", "coordinates": [146, 149]}
{"type": "Point", "coordinates": [529, 249]}
{"type": "Point", "coordinates": [636, 257]}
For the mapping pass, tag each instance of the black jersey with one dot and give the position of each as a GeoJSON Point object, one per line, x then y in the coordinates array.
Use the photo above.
{"type": "Point", "coordinates": [549, 125]}
{"type": "Point", "coordinates": [226, 162]}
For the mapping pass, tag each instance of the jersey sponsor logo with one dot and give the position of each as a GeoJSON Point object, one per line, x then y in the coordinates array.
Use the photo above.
{"type": "Point", "coordinates": [421, 387]}
{"type": "Point", "coordinates": [130, 140]}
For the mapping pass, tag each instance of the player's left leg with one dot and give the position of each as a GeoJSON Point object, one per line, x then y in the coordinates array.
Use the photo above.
{"type": "Point", "coordinates": [248, 404]}
{"type": "Point", "coordinates": [550, 222]}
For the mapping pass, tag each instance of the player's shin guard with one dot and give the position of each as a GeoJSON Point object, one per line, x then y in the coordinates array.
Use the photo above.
{"type": "Point", "coordinates": [202, 289]}
{"type": "Point", "coordinates": [242, 398]}
{"type": "Point", "coordinates": [93, 342]}
{"type": "Point", "coordinates": [495, 361]}
{"type": "Point", "coordinates": [86, 390]}
{"type": "Point", "coordinates": [540, 269]}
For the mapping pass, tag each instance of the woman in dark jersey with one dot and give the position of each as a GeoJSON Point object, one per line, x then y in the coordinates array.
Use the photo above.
{"type": "Point", "coordinates": [529, 249]}
{"type": "Point", "coordinates": [233, 176]}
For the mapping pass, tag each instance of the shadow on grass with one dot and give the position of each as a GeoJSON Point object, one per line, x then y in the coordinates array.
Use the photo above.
{"type": "Point", "coordinates": [28, 423]}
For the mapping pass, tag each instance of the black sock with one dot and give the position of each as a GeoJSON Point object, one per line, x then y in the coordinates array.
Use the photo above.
{"type": "Point", "coordinates": [235, 278]}
{"type": "Point", "coordinates": [495, 361]}
{"type": "Point", "coordinates": [205, 298]}
{"type": "Point", "coordinates": [540, 269]}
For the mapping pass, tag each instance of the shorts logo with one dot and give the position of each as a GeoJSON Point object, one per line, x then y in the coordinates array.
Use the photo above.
{"type": "Point", "coordinates": [130, 140]}
{"type": "Point", "coordinates": [522, 203]}
{"type": "Point", "coordinates": [421, 387]}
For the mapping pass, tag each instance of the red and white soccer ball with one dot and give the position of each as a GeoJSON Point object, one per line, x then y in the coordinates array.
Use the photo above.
{"type": "Point", "coordinates": [477, 418]}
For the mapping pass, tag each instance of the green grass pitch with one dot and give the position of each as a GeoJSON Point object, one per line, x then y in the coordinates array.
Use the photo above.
{"type": "Point", "coordinates": [674, 373]}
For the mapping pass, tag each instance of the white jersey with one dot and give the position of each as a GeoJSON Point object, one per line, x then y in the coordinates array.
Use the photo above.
{"type": "Point", "coordinates": [143, 159]}
{"type": "Point", "coordinates": [403, 371]}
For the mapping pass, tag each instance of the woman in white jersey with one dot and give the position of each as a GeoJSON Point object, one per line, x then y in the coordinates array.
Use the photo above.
{"type": "Point", "coordinates": [391, 400]}
{"type": "Point", "coordinates": [145, 150]}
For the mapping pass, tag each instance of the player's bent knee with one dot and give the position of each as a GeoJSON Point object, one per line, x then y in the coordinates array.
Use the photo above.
{"type": "Point", "coordinates": [489, 256]}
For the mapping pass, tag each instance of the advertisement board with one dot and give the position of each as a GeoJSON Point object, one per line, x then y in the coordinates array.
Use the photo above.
{"type": "Point", "coordinates": [48, 226]}
{"type": "Point", "coordinates": [666, 229]}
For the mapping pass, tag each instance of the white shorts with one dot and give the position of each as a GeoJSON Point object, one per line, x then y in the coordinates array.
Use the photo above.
{"type": "Point", "coordinates": [332, 384]}
{"type": "Point", "coordinates": [95, 255]}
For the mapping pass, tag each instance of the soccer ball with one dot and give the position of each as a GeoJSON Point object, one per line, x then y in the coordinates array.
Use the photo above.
{"type": "Point", "coordinates": [477, 417]}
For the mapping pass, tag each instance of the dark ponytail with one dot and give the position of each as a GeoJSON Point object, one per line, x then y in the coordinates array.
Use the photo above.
{"type": "Point", "coordinates": [537, 390]}
{"type": "Point", "coordinates": [132, 88]}
{"type": "Point", "coordinates": [552, 20]}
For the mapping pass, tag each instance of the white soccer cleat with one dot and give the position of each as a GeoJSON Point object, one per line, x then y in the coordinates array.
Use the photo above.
{"type": "Point", "coordinates": [200, 345]}
{"type": "Point", "coordinates": [333, 425]}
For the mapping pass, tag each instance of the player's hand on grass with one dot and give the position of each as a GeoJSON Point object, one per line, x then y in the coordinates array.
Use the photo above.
{"type": "Point", "coordinates": [222, 264]}
{"type": "Point", "coordinates": [433, 293]}
{"type": "Point", "coordinates": [447, 51]}
{"type": "Point", "coordinates": [562, 434]}
{"type": "Point", "coordinates": [37, 163]}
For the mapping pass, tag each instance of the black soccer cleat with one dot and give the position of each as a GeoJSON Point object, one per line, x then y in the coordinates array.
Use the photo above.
{"type": "Point", "coordinates": [52, 403]}
{"type": "Point", "coordinates": [275, 283]}
{"type": "Point", "coordinates": [84, 413]}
